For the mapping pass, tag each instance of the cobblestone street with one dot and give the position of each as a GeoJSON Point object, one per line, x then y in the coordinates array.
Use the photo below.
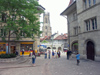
{"type": "Point", "coordinates": [59, 66]}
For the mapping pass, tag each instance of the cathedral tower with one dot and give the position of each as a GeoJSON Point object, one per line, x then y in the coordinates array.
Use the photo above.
{"type": "Point", "coordinates": [46, 25]}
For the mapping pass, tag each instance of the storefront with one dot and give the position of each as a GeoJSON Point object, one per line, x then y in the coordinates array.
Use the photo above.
{"type": "Point", "coordinates": [2, 48]}
{"type": "Point", "coordinates": [27, 46]}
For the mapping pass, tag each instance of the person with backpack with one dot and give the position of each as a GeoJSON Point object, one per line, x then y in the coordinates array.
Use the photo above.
{"type": "Point", "coordinates": [33, 58]}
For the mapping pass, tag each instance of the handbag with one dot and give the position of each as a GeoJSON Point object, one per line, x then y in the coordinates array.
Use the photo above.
{"type": "Point", "coordinates": [33, 56]}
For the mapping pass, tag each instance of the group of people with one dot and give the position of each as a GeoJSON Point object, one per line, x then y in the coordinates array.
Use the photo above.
{"type": "Point", "coordinates": [55, 54]}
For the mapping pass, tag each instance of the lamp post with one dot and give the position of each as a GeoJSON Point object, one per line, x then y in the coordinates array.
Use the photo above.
{"type": "Point", "coordinates": [52, 41]}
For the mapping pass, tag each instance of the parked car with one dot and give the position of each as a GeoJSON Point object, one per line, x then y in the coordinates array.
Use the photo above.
{"type": "Point", "coordinates": [65, 49]}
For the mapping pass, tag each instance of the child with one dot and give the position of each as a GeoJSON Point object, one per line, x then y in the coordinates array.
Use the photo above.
{"type": "Point", "coordinates": [78, 58]}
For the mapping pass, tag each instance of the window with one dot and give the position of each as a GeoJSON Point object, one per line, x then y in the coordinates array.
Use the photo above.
{"type": "Point", "coordinates": [89, 3]}
{"type": "Point", "coordinates": [45, 27]}
{"type": "Point", "coordinates": [13, 17]}
{"type": "Point", "coordinates": [94, 1]}
{"type": "Point", "coordinates": [91, 23]}
{"type": "Point", "coordinates": [76, 30]}
{"type": "Point", "coordinates": [85, 4]}
{"type": "Point", "coordinates": [45, 33]}
{"type": "Point", "coordinates": [74, 16]}
{"type": "Point", "coordinates": [22, 17]}
{"type": "Point", "coordinates": [94, 23]}
{"type": "Point", "coordinates": [4, 17]}
{"type": "Point", "coordinates": [45, 20]}
{"type": "Point", "coordinates": [87, 25]}
{"type": "Point", "coordinates": [2, 33]}
{"type": "Point", "coordinates": [22, 33]}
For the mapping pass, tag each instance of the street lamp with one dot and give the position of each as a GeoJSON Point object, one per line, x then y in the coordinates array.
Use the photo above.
{"type": "Point", "coordinates": [52, 41]}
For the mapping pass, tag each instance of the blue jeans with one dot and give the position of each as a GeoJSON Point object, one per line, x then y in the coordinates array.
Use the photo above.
{"type": "Point", "coordinates": [45, 56]}
{"type": "Point", "coordinates": [33, 60]}
{"type": "Point", "coordinates": [67, 57]}
{"type": "Point", "coordinates": [49, 56]}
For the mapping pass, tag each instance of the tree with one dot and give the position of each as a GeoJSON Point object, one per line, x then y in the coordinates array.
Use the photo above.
{"type": "Point", "coordinates": [44, 41]}
{"type": "Point", "coordinates": [19, 17]}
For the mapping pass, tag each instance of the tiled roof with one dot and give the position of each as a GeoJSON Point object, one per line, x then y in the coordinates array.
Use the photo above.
{"type": "Point", "coordinates": [61, 37]}
{"type": "Point", "coordinates": [45, 38]}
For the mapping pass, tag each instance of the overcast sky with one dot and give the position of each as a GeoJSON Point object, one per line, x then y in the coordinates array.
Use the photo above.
{"type": "Point", "coordinates": [55, 7]}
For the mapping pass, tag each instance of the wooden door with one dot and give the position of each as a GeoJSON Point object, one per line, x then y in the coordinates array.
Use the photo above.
{"type": "Point", "coordinates": [90, 51]}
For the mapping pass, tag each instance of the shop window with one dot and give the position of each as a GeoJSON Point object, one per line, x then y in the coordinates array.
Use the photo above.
{"type": "Point", "coordinates": [27, 47]}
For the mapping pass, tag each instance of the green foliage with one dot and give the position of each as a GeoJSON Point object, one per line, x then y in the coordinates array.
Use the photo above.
{"type": "Point", "coordinates": [21, 17]}
{"type": "Point", "coordinates": [7, 55]}
{"type": "Point", "coordinates": [44, 41]}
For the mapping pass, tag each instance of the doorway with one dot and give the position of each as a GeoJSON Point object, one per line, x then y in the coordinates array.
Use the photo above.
{"type": "Point", "coordinates": [90, 50]}
{"type": "Point", "coordinates": [13, 49]}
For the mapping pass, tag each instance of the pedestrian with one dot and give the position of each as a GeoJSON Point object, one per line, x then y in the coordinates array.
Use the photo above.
{"type": "Point", "coordinates": [69, 54]}
{"type": "Point", "coordinates": [30, 54]}
{"type": "Point", "coordinates": [53, 54]}
{"type": "Point", "coordinates": [58, 53]}
{"type": "Point", "coordinates": [49, 54]}
{"type": "Point", "coordinates": [78, 58]}
{"type": "Point", "coordinates": [16, 52]}
{"type": "Point", "coordinates": [45, 54]}
{"type": "Point", "coordinates": [33, 58]}
{"type": "Point", "coordinates": [22, 52]}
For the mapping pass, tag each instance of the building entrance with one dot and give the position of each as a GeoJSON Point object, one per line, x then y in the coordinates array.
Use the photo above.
{"type": "Point", "coordinates": [90, 50]}
{"type": "Point", "coordinates": [13, 49]}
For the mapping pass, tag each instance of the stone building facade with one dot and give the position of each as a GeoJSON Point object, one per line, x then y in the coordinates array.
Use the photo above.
{"type": "Point", "coordinates": [84, 27]}
{"type": "Point", "coordinates": [46, 25]}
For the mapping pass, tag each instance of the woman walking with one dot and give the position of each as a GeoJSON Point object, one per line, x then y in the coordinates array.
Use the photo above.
{"type": "Point", "coordinates": [33, 58]}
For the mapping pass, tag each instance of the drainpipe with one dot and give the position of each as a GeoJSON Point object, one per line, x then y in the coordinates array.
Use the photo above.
{"type": "Point", "coordinates": [68, 32]}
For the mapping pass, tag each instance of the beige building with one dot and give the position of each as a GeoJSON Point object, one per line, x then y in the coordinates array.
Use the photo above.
{"type": "Point", "coordinates": [46, 25]}
{"type": "Point", "coordinates": [84, 27]}
{"type": "Point", "coordinates": [23, 43]}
